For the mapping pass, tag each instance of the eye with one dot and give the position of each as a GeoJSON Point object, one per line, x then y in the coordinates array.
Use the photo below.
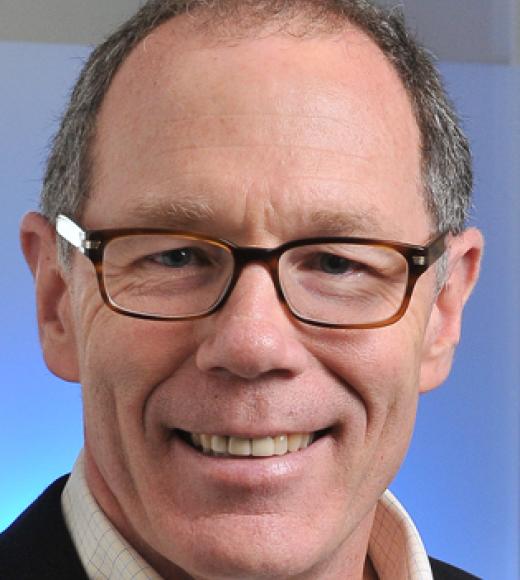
{"type": "Point", "coordinates": [179, 258]}
{"type": "Point", "coordinates": [333, 264]}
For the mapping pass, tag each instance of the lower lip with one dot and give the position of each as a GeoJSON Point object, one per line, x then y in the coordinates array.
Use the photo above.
{"type": "Point", "coordinates": [250, 471]}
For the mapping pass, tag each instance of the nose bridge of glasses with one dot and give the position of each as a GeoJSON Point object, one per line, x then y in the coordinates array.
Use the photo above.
{"type": "Point", "coordinates": [264, 256]}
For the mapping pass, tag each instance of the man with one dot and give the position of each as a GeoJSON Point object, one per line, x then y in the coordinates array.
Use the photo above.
{"type": "Point", "coordinates": [260, 263]}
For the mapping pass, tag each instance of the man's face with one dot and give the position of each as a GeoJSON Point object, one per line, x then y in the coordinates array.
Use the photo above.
{"type": "Point", "coordinates": [259, 143]}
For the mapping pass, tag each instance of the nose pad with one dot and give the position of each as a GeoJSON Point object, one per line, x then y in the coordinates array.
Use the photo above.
{"type": "Point", "coordinates": [252, 335]}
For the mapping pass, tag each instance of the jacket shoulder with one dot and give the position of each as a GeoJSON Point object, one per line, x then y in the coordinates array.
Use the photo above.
{"type": "Point", "coordinates": [38, 545]}
{"type": "Point", "coordinates": [443, 571]}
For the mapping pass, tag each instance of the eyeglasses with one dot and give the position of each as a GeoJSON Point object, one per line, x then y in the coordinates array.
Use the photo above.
{"type": "Point", "coordinates": [335, 282]}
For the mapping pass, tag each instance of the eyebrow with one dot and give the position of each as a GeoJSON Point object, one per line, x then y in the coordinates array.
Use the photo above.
{"type": "Point", "coordinates": [345, 223]}
{"type": "Point", "coordinates": [192, 212]}
{"type": "Point", "coordinates": [181, 212]}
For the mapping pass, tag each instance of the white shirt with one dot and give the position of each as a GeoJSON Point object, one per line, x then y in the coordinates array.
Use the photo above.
{"type": "Point", "coordinates": [395, 547]}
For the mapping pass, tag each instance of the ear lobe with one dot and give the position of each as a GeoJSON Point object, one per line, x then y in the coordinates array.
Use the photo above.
{"type": "Point", "coordinates": [54, 313]}
{"type": "Point", "coordinates": [444, 327]}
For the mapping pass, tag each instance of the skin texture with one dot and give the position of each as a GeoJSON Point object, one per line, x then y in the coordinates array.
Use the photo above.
{"type": "Point", "coordinates": [259, 142]}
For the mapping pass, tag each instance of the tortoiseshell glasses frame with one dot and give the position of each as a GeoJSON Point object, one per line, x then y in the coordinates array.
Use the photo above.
{"type": "Point", "coordinates": [93, 244]}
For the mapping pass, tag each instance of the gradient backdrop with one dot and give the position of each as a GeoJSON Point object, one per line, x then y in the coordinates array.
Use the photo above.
{"type": "Point", "coordinates": [461, 478]}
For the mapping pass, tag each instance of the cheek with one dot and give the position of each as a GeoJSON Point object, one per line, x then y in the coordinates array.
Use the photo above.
{"type": "Point", "coordinates": [123, 362]}
{"type": "Point", "coordinates": [380, 365]}
{"type": "Point", "coordinates": [132, 355]}
{"type": "Point", "coordinates": [380, 368]}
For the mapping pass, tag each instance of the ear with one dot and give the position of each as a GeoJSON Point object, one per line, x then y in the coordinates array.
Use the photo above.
{"type": "Point", "coordinates": [54, 311]}
{"type": "Point", "coordinates": [444, 327]}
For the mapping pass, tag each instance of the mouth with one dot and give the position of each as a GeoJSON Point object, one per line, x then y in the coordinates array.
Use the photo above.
{"type": "Point", "coordinates": [231, 446]}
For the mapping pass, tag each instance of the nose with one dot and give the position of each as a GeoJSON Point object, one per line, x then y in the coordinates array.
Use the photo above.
{"type": "Point", "coordinates": [252, 335]}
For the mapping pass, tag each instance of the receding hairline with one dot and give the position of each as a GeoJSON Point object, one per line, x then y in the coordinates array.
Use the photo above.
{"type": "Point", "coordinates": [227, 23]}
{"type": "Point", "coordinates": [242, 18]}
{"type": "Point", "coordinates": [343, 34]}
{"type": "Point", "coordinates": [204, 33]}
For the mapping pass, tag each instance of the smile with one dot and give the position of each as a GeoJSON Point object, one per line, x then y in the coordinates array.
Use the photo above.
{"type": "Point", "coordinates": [222, 445]}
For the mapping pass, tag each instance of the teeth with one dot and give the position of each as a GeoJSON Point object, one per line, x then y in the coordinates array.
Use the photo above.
{"type": "Point", "coordinates": [261, 447]}
{"type": "Point", "coordinates": [294, 441]}
{"type": "Point", "coordinates": [280, 445]}
{"type": "Point", "coordinates": [239, 446]}
{"type": "Point", "coordinates": [218, 444]}
{"type": "Point", "coordinates": [205, 441]}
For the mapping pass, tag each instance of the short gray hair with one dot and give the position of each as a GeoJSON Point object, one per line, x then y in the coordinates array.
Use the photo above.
{"type": "Point", "coordinates": [446, 158]}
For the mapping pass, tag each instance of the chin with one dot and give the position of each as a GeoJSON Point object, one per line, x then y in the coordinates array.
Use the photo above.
{"type": "Point", "coordinates": [253, 548]}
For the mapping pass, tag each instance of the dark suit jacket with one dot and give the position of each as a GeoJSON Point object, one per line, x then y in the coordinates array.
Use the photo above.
{"type": "Point", "coordinates": [37, 546]}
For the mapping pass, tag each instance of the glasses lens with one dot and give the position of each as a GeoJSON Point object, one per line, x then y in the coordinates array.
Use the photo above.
{"type": "Point", "coordinates": [344, 283]}
{"type": "Point", "coordinates": [165, 275]}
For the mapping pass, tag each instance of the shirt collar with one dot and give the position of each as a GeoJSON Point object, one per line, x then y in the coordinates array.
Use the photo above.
{"type": "Point", "coordinates": [104, 553]}
{"type": "Point", "coordinates": [395, 547]}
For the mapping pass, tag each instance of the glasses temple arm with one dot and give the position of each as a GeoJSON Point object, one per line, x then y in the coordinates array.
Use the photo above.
{"type": "Point", "coordinates": [437, 248]}
{"type": "Point", "coordinates": [71, 232]}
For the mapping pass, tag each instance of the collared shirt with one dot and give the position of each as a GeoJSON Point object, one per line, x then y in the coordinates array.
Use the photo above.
{"type": "Point", "coordinates": [395, 547]}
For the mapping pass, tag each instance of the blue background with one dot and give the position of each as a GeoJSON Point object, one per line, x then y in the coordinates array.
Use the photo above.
{"type": "Point", "coordinates": [461, 478]}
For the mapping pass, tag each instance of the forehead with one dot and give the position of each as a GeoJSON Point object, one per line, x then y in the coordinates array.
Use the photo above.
{"type": "Point", "coordinates": [256, 129]}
